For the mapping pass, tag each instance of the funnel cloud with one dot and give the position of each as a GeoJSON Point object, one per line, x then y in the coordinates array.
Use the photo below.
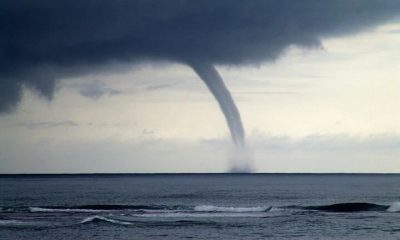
{"type": "Point", "coordinates": [240, 162]}
{"type": "Point", "coordinates": [216, 85]}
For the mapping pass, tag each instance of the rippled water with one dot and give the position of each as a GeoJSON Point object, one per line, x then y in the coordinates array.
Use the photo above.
{"type": "Point", "coordinates": [200, 206]}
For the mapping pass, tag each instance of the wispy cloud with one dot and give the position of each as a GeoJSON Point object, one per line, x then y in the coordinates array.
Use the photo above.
{"type": "Point", "coordinates": [160, 86]}
{"type": "Point", "coordinates": [328, 142]}
{"type": "Point", "coordinates": [394, 31]}
{"type": "Point", "coordinates": [96, 89]}
{"type": "Point", "coordinates": [47, 124]}
{"type": "Point", "coordinates": [268, 92]}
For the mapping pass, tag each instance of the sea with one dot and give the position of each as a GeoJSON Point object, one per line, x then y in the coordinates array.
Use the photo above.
{"type": "Point", "coordinates": [200, 206]}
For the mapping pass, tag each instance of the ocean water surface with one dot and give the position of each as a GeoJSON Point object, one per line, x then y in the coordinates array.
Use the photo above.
{"type": "Point", "coordinates": [200, 206]}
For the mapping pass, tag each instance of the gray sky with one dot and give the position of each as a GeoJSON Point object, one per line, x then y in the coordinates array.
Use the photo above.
{"type": "Point", "coordinates": [326, 107]}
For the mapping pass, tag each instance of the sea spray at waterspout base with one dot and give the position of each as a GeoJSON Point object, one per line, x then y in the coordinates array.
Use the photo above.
{"type": "Point", "coordinates": [240, 161]}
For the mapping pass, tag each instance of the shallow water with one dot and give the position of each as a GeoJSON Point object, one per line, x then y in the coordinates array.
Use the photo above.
{"type": "Point", "coordinates": [200, 206]}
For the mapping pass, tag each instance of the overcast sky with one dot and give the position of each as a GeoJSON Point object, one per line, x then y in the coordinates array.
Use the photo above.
{"type": "Point", "coordinates": [330, 106]}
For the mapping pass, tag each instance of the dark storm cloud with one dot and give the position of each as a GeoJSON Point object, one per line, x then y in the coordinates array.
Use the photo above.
{"type": "Point", "coordinates": [41, 41]}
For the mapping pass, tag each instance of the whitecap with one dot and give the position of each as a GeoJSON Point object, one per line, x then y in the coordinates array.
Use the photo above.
{"type": "Point", "coordinates": [10, 222]}
{"type": "Point", "coordinates": [394, 207]}
{"type": "Point", "coordinates": [18, 223]}
{"type": "Point", "coordinates": [39, 209]}
{"type": "Point", "coordinates": [101, 218]}
{"type": "Point", "coordinates": [210, 208]}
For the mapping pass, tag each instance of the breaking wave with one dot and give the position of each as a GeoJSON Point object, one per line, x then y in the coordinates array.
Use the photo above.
{"type": "Point", "coordinates": [394, 207]}
{"type": "Point", "coordinates": [18, 223]}
{"type": "Point", "coordinates": [103, 219]}
{"type": "Point", "coordinates": [346, 207]}
{"type": "Point", "coordinates": [10, 222]}
{"type": "Point", "coordinates": [210, 208]}
{"type": "Point", "coordinates": [39, 209]}
{"type": "Point", "coordinates": [100, 208]}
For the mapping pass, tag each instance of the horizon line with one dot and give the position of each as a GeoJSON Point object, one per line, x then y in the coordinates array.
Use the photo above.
{"type": "Point", "coordinates": [203, 173]}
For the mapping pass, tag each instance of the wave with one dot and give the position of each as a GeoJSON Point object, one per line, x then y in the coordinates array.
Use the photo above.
{"type": "Point", "coordinates": [349, 207]}
{"type": "Point", "coordinates": [124, 207]}
{"type": "Point", "coordinates": [147, 208]}
{"type": "Point", "coordinates": [39, 209]}
{"type": "Point", "coordinates": [181, 223]}
{"type": "Point", "coordinates": [192, 222]}
{"type": "Point", "coordinates": [201, 215]}
{"type": "Point", "coordinates": [18, 223]}
{"type": "Point", "coordinates": [394, 207]}
{"type": "Point", "coordinates": [10, 222]}
{"type": "Point", "coordinates": [182, 195]}
{"type": "Point", "coordinates": [100, 208]}
{"type": "Point", "coordinates": [3, 210]}
{"type": "Point", "coordinates": [210, 208]}
{"type": "Point", "coordinates": [103, 219]}
{"type": "Point", "coordinates": [126, 221]}
{"type": "Point", "coordinates": [184, 209]}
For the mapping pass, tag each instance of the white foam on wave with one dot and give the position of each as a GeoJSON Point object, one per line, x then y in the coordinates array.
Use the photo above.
{"type": "Point", "coordinates": [277, 209]}
{"type": "Point", "coordinates": [394, 207]}
{"type": "Point", "coordinates": [39, 209]}
{"type": "Point", "coordinates": [100, 218]}
{"type": "Point", "coordinates": [210, 208]}
{"type": "Point", "coordinates": [16, 223]}
{"type": "Point", "coordinates": [10, 222]}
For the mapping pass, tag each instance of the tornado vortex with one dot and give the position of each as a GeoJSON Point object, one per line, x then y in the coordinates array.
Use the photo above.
{"type": "Point", "coordinates": [215, 84]}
